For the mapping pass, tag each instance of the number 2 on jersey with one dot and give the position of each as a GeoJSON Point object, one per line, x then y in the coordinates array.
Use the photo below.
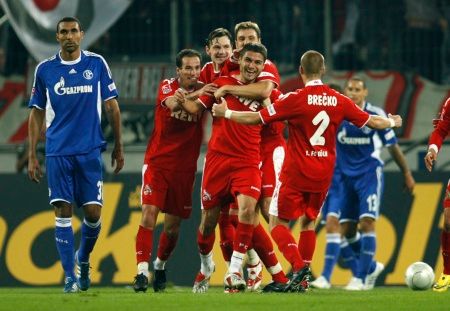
{"type": "Point", "coordinates": [324, 120]}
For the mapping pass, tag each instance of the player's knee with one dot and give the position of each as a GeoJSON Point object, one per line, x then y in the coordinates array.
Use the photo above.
{"type": "Point", "coordinates": [332, 225]}
{"type": "Point", "coordinates": [367, 224]}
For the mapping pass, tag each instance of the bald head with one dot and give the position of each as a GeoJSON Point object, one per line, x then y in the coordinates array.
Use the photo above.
{"type": "Point", "coordinates": [312, 64]}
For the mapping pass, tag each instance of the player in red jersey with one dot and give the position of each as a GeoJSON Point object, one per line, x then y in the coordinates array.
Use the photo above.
{"type": "Point", "coordinates": [219, 49]}
{"type": "Point", "coordinates": [272, 153]}
{"type": "Point", "coordinates": [313, 114]}
{"type": "Point", "coordinates": [169, 170]}
{"type": "Point", "coordinates": [442, 128]}
{"type": "Point", "coordinates": [231, 170]}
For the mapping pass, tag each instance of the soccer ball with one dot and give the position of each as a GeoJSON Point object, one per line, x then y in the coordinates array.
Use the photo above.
{"type": "Point", "coordinates": [419, 276]}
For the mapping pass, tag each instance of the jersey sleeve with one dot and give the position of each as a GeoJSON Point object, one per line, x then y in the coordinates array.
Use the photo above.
{"type": "Point", "coordinates": [269, 73]}
{"type": "Point", "coordinates": [387, 136]}
{"type": "Point", "coordinates": [38, 92]}
{"type": "Point", "coordinates": [108, 87]}
{"type": "Point", "coordinates": [283, 109]}
{"type": "Point", "coordinates": [443, 127]}
{"type": "Point", "coordinates": [165, 90]}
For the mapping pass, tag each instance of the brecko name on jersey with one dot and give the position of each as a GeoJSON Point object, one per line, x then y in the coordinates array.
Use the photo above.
{"type": "Point", "coordinates": [322, 100]}
{"type": "Point", "coordinates": [252, 104]}
{"type": "Point", "coordinates": [61, 90]}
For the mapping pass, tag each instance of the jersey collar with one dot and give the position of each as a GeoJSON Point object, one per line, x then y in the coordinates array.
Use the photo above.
{"type": "Point", "coordinates": [70, 62]}
{"type": "Point", "coordinates": [314, 82]}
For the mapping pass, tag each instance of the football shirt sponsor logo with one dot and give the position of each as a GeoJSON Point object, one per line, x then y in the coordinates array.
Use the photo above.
{"type": "Point", "coordinates": [60, 88]}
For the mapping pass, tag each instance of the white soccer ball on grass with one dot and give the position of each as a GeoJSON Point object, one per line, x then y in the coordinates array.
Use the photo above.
{"type": "Point", "coordinates": [419, 276]}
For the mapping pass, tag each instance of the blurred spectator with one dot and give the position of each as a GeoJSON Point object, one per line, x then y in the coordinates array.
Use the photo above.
{"type": "Point", "coordinates": [446, 49]}
{"type": "Point", "coordinates": [424, 36]}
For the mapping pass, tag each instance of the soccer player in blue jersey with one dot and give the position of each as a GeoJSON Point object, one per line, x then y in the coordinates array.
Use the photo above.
{"type": "Point", "coordinates": [355, 195]}
{"type": "Point", "coordinates": [67, 93]}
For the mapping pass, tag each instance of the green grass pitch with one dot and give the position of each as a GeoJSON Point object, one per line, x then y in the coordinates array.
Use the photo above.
{"type": "Point", "coordinates": [181, 298]}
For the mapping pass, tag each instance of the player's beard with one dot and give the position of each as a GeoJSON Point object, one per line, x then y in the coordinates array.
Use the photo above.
{"type": "Point", "coordinates": [71, 48]}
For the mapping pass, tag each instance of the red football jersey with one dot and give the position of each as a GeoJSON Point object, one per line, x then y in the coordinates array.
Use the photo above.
{"type": "Point", "coordinates": [208, 74]}
{"type": "Point", "coordinates": [272, 133]}
{"type": "Point", "coordinates": [442, 128]}
{"type": "Point", "coordinates": [176, 137]}
{"type": "Point", "coordinates": [314, 114]}
{"type": "Point", "coordinates": [269, 72]}
{"type": "Point", "coordinates": [231, 138]}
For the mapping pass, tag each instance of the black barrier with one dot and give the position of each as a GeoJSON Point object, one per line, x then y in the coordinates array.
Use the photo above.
{"type": "Point", "coordinates": [408, 231]}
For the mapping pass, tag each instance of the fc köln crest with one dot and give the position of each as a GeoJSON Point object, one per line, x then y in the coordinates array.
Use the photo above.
{"type": "Point", "coordinates": [35, 20]}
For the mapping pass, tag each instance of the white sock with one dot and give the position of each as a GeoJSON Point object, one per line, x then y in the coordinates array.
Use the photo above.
{"type": "Point", "coordinates": [252, 257]}
{"type": "Point", "coordinates": [236, 262]}
{"type": "Point", "coordinates": [207, 264]}
{"type": "Point", "coordinates": [142, 268]}
{"type": "Point", "coordinates": [159, 264]}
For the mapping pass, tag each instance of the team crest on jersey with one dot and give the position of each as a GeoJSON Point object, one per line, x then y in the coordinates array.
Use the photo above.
{"type": "Point", "coordinates": [166, 89]}
{"type": "Point", "coordinates": [87, 74]}
{"type": "Point", "coordinates": [206, 196]}
{"type": "Point", "coordinates": [147, 190]}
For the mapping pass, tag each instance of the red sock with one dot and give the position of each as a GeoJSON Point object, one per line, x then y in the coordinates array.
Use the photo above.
{"type": "Point", "coordinates": [205, 243]}
{"type": "Point", "coordinates": [226, 230]}
{"type": "Point", "coordinates": [445, 244]}
{"type": "Point", "coordinates": [243, 237]}
{"type": "Point", "coordinates": [144, 244]}
{"type": "Point", "coordinates": [307, 245]}
{"type": "Point", "coordinates": [286, 244]}
{"type": "Point", "coordinates": [166, 245]}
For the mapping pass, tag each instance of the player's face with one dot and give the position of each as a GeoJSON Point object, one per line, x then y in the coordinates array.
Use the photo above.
{"type": "Point", "coordinates": [251, 64]}
{"type": "Point", "coordinates": [219, 50]}
{"type": "Point", "coordinates": [69, 36]}
{"type": "Point", "coordinates": [189, 71]}
{"type": "Point", "coordinates": [245, 36]}
{"type": "Point", "coordinates": [356, 91]}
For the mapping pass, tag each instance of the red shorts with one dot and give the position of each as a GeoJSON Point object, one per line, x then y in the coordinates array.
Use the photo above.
{"type": "Point", "coordinates": [225, 177]}
{"type": "Point", "coordinates": [447, 196]}
{"type": "Point", "coordinates": [289, 203]}
{"type": "Point", "coordinates": [170, 191]}
{"type": "Point", "coordinates": [272, 162]}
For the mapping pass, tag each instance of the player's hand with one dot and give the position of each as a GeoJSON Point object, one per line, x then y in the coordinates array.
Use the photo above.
{"type": "Point", "coordinates": [220, 92]}
{"type": "Point", "coordinates": [236, 54]}
{"type": "Point", "coordinates": [179, 95]}
{"type": "Point", "coordinates": [409, 182]}
{"type": "Point", "coordinates": [218, 110]}
{"type": "Point", "coordinates": [397, 119]}
{"type": "Point", "coordinates": [117, 158]}
{"type": "Point", "coordinates": [430, 157]}
{"type": "Point", "coordinates": [34, 169]}
{"type": "Point", "coordinates": [209, 89]}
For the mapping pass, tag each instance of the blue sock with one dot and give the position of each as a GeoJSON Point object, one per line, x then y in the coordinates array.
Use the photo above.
{"type": "Point", "coordinates": [89, 235]}
{"type": "Point", "coordinates": [349, 258]}
{"type": "Point", "coordinates": [355, 243]}
{"type": "Point", "coordinates": [368, 246]}
{"type": "Point", "coordinates": [64, 244]}
{"type": "Point", "coordinates": [331, 254]}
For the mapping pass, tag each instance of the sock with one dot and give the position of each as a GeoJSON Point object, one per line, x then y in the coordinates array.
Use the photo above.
{"type": "Point", "coordinates": [166, 245]}
{"type": "Point", "coordinates": [368, 246]}
{"type": "Point", "coordinates": [159, 264]}
{"type": "Point", "coordinates": [226, 230]}
{"type": "Point", "coordinates": [206, 264]}
{"type": "Point", "coordinates": [355, 243]}
{"type": "Point", "coordinates": [144, 244]}
{"type": "Point", "coordinates": [264, 248]}
{"type": "Point", "coordinates": [349, 258]}
{"type": "Point", "coordinates": [89, 235]}
{"type": "Point", "coordinates": [332, 250]}
{"type": "Point", "coordinates": [286, 244]}
{"type": "Point", "coordinates": [64, 244]}
{"type": "Point", "coordinates": [252, 257]}
{"type": "Point", "coordinates": [205, 243]}
{"type": "Point", "coordinates": [307, 245]}
{"type": "Point", "coordinates": [242, 242]}
{"type": "Point", "coordinates": [445, 244]}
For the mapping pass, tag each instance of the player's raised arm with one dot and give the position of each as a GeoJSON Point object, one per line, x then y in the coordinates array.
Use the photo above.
{"type": "Point", "coordinates": [245, 117]}
{"type": "Point", "coordinates": [113, 114]}
{"type": "Point", "coordinates": [380, 123]}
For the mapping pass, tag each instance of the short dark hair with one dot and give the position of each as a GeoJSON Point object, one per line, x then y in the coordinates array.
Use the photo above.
{"type": "Point", "coordinates": [357, 78]}
{"type": "Point", "coordinates": [247, 25]}
{"type": "Point", "coordinates": [217, 33]}
{"type": "Point", "coordinates": [313, 63]}
{"type": "Point", "coordinates": [254, 47]}
{"type": "Point", "coordinates": [186, 53]}
{"type": "Point", "coordinates": [69, 19]}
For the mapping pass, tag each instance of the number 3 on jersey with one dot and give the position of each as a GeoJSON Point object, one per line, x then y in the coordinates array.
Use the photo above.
{"type": "Point", "coordinates": [324, 120]}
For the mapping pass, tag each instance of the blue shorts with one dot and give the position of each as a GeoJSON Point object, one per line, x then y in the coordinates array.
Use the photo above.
{"type": "Point", "coordinates": [362, 195]}
{"type": "Point", "coordinates": [334, 200]}
{"type": "Point", "coordinates": [76, 178]}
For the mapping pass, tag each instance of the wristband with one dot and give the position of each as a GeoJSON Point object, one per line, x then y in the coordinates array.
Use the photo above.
{"type": "Point", "coordinates": [392, 122]}
{"type": "Point", "coordinates": [228, 113]}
